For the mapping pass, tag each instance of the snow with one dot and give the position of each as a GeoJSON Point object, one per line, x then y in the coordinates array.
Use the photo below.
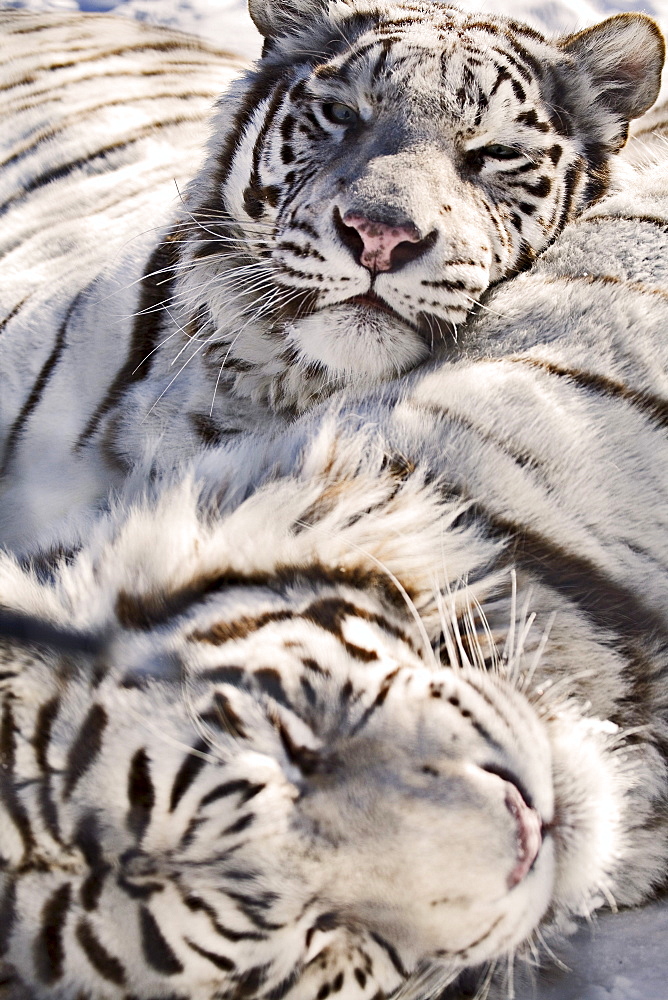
{"type": "Point", "coordinates": [621, 956]}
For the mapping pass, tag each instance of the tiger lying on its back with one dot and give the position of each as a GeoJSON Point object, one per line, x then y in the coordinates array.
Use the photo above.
{"type": "Point", "coordinates": [324, 747]}
{"type": "Point", "coordinates": [363, 186]}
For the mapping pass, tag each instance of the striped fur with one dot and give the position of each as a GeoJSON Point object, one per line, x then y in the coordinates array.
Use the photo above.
{"type": "Point", "coordinates": [363, 186]}
{"type": "Point", "coordinates": [352, 708]}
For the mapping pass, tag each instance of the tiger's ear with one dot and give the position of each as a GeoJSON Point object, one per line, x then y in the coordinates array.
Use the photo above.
{"type": "Point", "coordinates": [280, 17]}
{"type": "Point", "coordinates": [624, 57]}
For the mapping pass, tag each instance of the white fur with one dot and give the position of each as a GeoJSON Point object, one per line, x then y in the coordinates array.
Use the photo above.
{"type": "Point", "coordinates": [112, 358]}
{"type": "Point", "coordinates": [507, 510]}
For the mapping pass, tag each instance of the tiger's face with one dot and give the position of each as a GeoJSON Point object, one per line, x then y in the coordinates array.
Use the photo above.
{"type": "Point", "coordinates": [292, 798]}
{"type": "Point", "coordinates": [270, 784]}
{"type": "Point", "coordinates": [386, 165]}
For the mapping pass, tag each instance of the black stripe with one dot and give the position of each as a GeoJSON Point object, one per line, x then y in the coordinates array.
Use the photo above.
{"type": "Point", "coordinates": [391, 952]}
{"type": "Point", "coordinates": [35, 631]}
{"type": "Point", "coordinates": [383, 692]}
{"type": "Point", "coordinates": [38, 388]}
{"type": "Point", "coordinates": [573, 175]}
{"type": "Point", "coordinates": [71, 121]}
{"type": "Point", "coordinates": [379, 68]}
{"type": "Point", "coordinates": [17, 811]}
{"type": "Point", "coordinates": [305, 227]}
{"type": "Point", "coordinates": [166, 45]}
{"type": "Point", "coordinates": [606, 603]}
{"type": "Point", "coordinates": [479, 940]}
{"type": "Point", "coordinates": [13, 312]}
{"type": "Point", "coordinates": [222, 632]}
{"type": "Point", "coordinates": [248, 984]}
{"type": "Point", "coordinates": [650, 220]}
{"type": "Point", "coordinates": [249, 906]}
{"type": "Point", "coordinates": [209, 432]}
{"type": "Point", "coordinates": [236, 676]}
{"type": "Point", "coordinates": [42, 735]}
{"type": "Point", "coordinates": [279, 991]}
{"type": "Point", "coordinates": [253, 200]}
{"type": "Point", "coordinates": [85, 748]}
{"type": "Point", "coordinates": [32, 29]}
{"type": "Point", "coordinates": [510, 723]}
{"type": "Point", "coordinates": [107, 965]}
{"type": "Point", "coordinates": [198, 905]}
{"type": "Point", "coordinates": [330, 613]}
{"type": "Point", "coordinates": [306, 174]}
{"type": "Point", "coordinates": [606, 279]}
{"type": "Point", "coordinates": [7, 914]}
{"type": "Point", "coordinates": [46, 717]}
{"type": "Point", "coordinates": [156, 289]}
{"type": "Point", "coordinates": [141, 794]}
{"type": "Point", "coordinates": [652, 406]}
{"type": "Point", "coordinates": [48, 948]}
{"type": "Point", "coordinates": [138, 890]}
{"type": "Point", "coordinates": [300, 251]}
{"type": "Point", "coordinates": [162, 996]}
{"type": "Point", "coordinates": [501, 77]}
{"type": "Point", "coordinates": [186, 774]}
{"type": "Point", "coordinates": [146, 611]}
{"type": "Point", "coordinates": [525, 55]}
{"type": "Point", "coordinates": [87, 839]}
{"type": "Point", "coordinates": [225, 717]}
{"type": "Point", "coordinates": [49, 812]}
{"type": "Point", "coordinates": [260, 87]}
{"type": "Point", "coordinates": [308, 691]}
{"type": "Point", "coordinates": [155, 948]}
{"type": "Point", "coordinates": [270, 681]}
{"type": "Point", "coordinates": [97, 160]}
{"type": "Point", "coordinates": [240, 825]}
{"type": "Point", "coordinates": [181, 68]}
{"type": "Point", "coordinates": [247, 789]}
{"type": "Point", "coordinates": [522, 70]}
{"type": "Point", "coordinates": [540, 189]}
{"type": "Point", "coordinates": [220, 961]}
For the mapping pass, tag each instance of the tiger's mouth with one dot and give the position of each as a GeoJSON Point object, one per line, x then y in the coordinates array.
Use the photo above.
{"type": "Point", "coordinates": [429, 327]}
{"type": "Point", "coordinates": [369, 300]}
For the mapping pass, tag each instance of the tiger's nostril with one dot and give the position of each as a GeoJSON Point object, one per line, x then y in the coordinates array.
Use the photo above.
{"type": "Point", "coordinates": [379, 246]}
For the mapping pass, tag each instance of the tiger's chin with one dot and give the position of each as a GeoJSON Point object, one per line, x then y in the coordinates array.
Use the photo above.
{"type": "Point", "coordinates": [355, 339]}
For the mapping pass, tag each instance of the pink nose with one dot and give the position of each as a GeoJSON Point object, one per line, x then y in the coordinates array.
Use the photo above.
{"type": "Point", "coordinates": [379, 240]}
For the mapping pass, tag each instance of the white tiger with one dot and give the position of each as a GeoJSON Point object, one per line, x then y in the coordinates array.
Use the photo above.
{"type": "Point", "coordinates": [356, 707]}
{"type": "Point", "coordinates": [363, 186]}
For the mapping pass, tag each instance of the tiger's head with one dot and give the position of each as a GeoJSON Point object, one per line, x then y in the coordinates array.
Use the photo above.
{"type": "Point", "coordinates": [380, 168]}
{"type": "Point", "coordinates": [268, 784]}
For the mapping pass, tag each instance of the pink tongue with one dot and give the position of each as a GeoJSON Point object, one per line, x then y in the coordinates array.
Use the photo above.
{"type": "Point", "coordinates": [379, 240]}
{"type": "Point", "coordinates": [529, 838]}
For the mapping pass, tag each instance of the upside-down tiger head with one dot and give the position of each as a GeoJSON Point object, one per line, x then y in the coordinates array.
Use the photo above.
{"type": "Point", "coordinates": [266, 785]}
{"type": "Point", "coordinates": [382, 166]}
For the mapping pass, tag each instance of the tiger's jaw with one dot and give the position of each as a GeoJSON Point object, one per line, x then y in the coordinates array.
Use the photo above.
{"type": "Point", "coordinates": [357, 338]}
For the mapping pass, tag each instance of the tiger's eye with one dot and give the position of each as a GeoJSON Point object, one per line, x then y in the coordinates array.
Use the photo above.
{"type": "Point", "coordinates": [340, 114]}
{"type": "Point", "coordinates": [496, 151]}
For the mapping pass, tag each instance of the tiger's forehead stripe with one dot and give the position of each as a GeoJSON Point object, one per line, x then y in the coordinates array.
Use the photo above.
{"type": "Point", "coordinates": [380, 62]}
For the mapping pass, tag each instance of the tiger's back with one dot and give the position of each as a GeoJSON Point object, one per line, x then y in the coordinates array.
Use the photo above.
{"type": "Point", "coordinates": [364, 184]}
{"type": "Point", "coordinates": [103, 123]}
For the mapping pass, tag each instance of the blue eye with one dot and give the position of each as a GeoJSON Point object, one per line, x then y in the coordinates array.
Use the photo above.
{"type": "Point", "coordinates": [496, 151]}
{"type": "Point", "coordinates": [340, 114]}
